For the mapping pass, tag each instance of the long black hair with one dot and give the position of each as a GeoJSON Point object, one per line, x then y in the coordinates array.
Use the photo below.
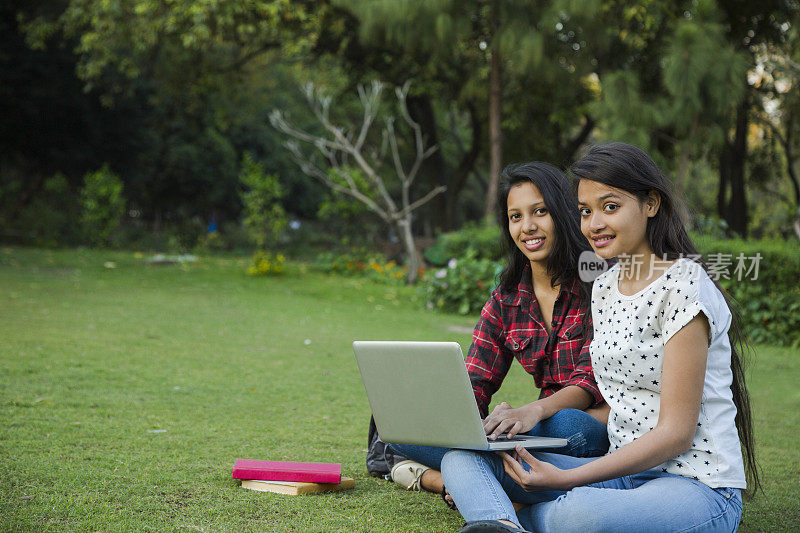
{"type": "Point", "coordinates": [567, 243]}
{"type": "Point", "coordinates": [630, 169]}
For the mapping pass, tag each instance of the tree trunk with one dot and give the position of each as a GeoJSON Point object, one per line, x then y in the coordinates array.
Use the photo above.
{"type": "Point", "coordinates": [793, 177]}
{"type": "Point", "coordinates": [796, 227]}
{"type": "Point", "coordinates": [738, 207]}
{"type": "Point", "coordinates": [731, 175]}
{"type": "Point", "coordinates": [683, 162]}
{"type": "Point", "coordinates": [412, 256]}
{"type": "Point", "coordinates": [459, 177]}
{"type": "Point", "coordinates": [786, 142]}
{"type": "Point", "coordinates": [724, 180]}
{"type": "Point", "coordinates": [495, 134]}
{"type": "Point", "coordinates": [568, 152]}
{"type": "Point", "coordinates": [434, 169]}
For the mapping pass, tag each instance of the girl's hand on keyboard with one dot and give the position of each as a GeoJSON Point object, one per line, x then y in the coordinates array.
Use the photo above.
{"type": "Point", "coordinates": [505, 419]}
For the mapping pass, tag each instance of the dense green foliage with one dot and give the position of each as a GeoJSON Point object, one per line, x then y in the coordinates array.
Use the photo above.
{"type": "Point", "coordinates": [481, 241]}
{"type": "Point", "coordinates": [172, 95]}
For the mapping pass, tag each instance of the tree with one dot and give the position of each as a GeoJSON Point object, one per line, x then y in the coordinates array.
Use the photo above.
{"type": "Point", "coordinates": [188, 47]}
{"type": "Point", "coordinates": [749, 25]}
{"type": "Point", "coordinates": [450, 112]}
{"type": "Point", "coordinates": [776, 77]}
{"type": "Point", "coordinates": [688, 103]}
{"type": "Point", "coordinates": [185, 69]}
{"type": "Point", "coordinates": [354, 160]}
{"type": "Point", "coordinates": [510, 37]}
{"type": "Point", "coordinates": [681, 89]}
{"type": "Point", "coordinates": [52, 131]}
{"type": "Point", "coordinates": [698, 62]}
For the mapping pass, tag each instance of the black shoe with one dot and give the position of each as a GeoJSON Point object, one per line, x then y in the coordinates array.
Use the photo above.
{"type": "Point", "coordinates": [489, 526]}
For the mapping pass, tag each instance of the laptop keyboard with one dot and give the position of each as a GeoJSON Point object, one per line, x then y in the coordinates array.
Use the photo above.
{"type": "Point", "coordinates": [518, 438]}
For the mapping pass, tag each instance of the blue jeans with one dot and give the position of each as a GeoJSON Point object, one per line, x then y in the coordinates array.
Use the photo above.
{"type": "Point", "coordinates": [651, 501]}
{"type": "Point", "coordinates": [585, 435]}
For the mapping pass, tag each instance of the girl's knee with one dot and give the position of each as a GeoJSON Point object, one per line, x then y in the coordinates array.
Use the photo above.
{"type": "Point", "coordinates": [463, 460]}
{"type": "Point", "coordinates": [458, 460]}
{"type": "Point", "coordinates": [575, 511]}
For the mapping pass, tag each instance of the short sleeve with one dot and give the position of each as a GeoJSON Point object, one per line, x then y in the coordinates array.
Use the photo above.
{"type": "Point", "coordinates": [582, 375]}
{"type": "Point", "coordinates": [688, 295]}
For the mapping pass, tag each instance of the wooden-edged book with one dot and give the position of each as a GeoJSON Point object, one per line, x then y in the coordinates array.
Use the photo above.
{"type": "Point", "coordinates": [294, 488]}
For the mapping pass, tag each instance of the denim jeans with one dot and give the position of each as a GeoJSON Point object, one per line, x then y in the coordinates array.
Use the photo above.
{"type": "Point", "coordinates": [585, 435]}
{"type": "Point", "coordinates": [651, 501]}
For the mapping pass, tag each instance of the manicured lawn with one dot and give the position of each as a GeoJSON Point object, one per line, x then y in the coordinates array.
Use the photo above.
{"type": "Point", "coordinates": [126, 394]}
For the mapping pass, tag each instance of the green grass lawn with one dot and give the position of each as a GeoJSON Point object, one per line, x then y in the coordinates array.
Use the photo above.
{"type": "Point", "coordinates": [127, 393]}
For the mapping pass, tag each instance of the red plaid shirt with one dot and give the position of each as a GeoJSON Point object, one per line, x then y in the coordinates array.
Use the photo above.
{"type": "Point", "coordinates": [511, 326]}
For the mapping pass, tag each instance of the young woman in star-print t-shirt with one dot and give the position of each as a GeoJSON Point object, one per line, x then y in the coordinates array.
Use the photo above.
{"type": "Point", "coordinates": [666, 357]}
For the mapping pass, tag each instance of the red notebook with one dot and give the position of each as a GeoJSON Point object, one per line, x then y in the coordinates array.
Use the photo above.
{"type": "Point", "coordinates": [285, 471]}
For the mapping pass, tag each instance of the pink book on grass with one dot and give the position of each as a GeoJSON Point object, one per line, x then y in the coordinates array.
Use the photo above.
{"type": "Point", "coordinates": [286, 471]}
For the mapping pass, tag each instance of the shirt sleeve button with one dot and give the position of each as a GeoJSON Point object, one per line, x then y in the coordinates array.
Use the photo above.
{"type": "Point", "coordinates": [516, 345]}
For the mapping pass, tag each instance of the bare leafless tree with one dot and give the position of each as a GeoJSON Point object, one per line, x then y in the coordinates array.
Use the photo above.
{"type": "Point", "coordinates": [346, 152]}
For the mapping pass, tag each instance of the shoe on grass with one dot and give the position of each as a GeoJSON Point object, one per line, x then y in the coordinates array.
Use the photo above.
{"type": "Point", "coordinates": [489, 526]}
{"type": "Point", "coordinates": [408, 474]}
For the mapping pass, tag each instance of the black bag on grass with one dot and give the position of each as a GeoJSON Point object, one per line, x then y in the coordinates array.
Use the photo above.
{"type": "Point", "coordinates": [380, 458]}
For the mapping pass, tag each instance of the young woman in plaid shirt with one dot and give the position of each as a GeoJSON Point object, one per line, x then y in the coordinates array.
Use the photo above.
{"type": "Point", "coordinates": [538, 315]}
{"type": "Point", "coordinates": [666, 355]}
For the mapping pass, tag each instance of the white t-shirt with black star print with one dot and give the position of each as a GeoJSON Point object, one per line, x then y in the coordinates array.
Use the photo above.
{"type": "Point", "coordinates": [627, 353]}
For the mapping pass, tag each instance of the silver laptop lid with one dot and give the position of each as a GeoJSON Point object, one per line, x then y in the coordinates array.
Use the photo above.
{"type": "Point", "coordinates": [420, 393]}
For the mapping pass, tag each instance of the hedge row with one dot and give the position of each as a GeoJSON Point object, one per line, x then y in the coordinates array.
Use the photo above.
{"type": "Point", "coordinates": [770, 303]}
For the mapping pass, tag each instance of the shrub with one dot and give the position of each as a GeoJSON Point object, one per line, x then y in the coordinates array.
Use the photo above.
{"type": "Point", "coordinates": [266, 264]}
{"type": "Point", "coordinates": [770, 304]}
{"type": "Point", "coordinates": [50, 218]}
{"type": "Point", "coordinates": [102, 205]}
{"type": "Point", "coordinates": [264, 216]}
{"type": "Point", "coordinates": [462, 287]}
{"type": "Point", "coordinates": [482, 241]}
{"type": "Point", "coordinates": [361, 262]}
{"type": "Point", "coordinates": [210, 242]}
{"type": "Point", "coordinates": [174, 235]}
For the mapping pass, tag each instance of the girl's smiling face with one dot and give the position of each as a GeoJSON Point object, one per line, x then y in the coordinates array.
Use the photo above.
{"type": "Point", "coordinates": [529, 222]}
{"type": "Point", "coordinates": [615, 221]}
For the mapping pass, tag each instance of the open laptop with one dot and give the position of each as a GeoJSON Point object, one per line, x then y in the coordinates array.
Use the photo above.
{"type": "Point", "coordinates": [420, 393]}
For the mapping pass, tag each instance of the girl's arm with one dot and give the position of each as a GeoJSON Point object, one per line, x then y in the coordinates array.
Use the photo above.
{"type": "Point", "coordinates": [505, 419]}
{"type": "Point", "coordinates": [683, 374]}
